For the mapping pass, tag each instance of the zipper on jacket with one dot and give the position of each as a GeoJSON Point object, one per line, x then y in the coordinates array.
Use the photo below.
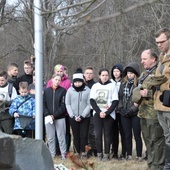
{"type": "Point", "coordinates": [53, 100]}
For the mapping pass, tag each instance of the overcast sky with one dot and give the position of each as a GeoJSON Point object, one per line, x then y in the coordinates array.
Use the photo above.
{"type": "Point", "coordinates": [11, 1]}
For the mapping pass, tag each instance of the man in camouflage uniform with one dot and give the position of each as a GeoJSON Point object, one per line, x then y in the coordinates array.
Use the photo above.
{"type": "Point", "coordinates": [152, 131]}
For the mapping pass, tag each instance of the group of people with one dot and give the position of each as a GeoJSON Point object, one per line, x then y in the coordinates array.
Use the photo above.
{"type": "Point", "coordinates": [124, 102]}
{"type": "Point", "coordinates": [128, 103]}
{"type": "Point", "coordinates": [17, 113]}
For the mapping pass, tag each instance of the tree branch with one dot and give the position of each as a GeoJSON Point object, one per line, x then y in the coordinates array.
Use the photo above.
{"type": "Point", "coordinates": [69, 6]}
{"type": "Point", "coordinates": [105, 17]}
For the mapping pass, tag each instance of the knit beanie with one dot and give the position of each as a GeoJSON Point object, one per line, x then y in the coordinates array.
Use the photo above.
{"type": "Point", "coordinates": [78, 75]}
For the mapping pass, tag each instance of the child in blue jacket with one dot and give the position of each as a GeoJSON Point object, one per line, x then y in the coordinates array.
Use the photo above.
{"type": "Point", "coordinates": [23, 110]}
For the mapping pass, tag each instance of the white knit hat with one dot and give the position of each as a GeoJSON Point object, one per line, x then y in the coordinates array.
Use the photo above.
{"type": "Point", "coordinates": [78, 75]}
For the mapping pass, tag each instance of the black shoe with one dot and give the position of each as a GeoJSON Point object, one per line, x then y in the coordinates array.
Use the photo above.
{"type": "Point", "coordinates": [115, 156]}
{"type": "Point", "coordinates": [95, 152]}
{"type": "Point", "coordinates": [90, 153]}
{"type": "Point", "coordinates": [145, 158]}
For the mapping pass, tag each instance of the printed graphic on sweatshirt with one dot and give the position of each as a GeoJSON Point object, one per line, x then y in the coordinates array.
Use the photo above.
{"type": "Point", "coordinates": [3, 96]}
{"type": "Point", "coordinates": [102, 97]}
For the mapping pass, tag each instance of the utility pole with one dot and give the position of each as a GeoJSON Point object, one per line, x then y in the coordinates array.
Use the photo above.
{"type": "Point", "coordinates": [38, 29]}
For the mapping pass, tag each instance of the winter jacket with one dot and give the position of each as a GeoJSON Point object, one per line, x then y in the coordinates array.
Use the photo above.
{"type": "Point", "coordinates": [78, 103]}
{"type": "Point", "coordinates": [27, 108]}
{"type": "Point", "coordinates": [90, 83]}
{"type": "Point", "coordinates": [146, 107]}
{"type": "Point", "coordinates": [127, 108]}
{"type": "Point", "coordinates": [162, 69]}
{"type": "Point", "coordinates": [54, 102]}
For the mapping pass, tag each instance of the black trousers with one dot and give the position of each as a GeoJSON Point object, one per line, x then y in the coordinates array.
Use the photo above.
{"type": "Point", "coordinates": [92, 140]}
{"type": "Point", "coordinates": [103, 125]}
{"type": "Point", "coordinates": [80, 134]}
{"type": "Point", "coordinates": [117, 129]}
{"type": "Point", "coordinates": [132, 124]}
{"type": "Point", "coordinates": [68, 134]}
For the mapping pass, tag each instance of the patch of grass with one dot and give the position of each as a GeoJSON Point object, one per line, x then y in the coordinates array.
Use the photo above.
{"type": "Point", "coordinates": [113, 164]}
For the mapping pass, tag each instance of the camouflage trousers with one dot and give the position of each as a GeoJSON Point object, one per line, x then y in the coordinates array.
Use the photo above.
{"type": "Point", "coordinates": [155, 143]}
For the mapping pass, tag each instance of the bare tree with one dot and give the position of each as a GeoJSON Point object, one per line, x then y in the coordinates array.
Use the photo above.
{"type": "Point", "coordinates": [84, 32]}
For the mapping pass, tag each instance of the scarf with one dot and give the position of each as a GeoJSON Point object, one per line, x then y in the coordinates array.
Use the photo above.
{"type": "Point", "coordinates": [78, 89]}
{"type": "Point", "coordinates": [127, 91]}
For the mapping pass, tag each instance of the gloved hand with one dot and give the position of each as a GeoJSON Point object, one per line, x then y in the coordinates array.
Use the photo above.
{"type": "Point", "coordinates": [123, 112]}
{"type": "Point", "coordinates": [130, 113]}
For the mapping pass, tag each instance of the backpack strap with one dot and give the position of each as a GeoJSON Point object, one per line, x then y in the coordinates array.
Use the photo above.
{"type": "Point", "coordinates": [10, 87]}
{"type": "Point", "coordinates": [23, 102]}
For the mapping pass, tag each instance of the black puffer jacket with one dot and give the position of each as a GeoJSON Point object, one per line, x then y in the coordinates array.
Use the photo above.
{"type": "Point", "coordinates": [54, 102]}
{"type": "Point", "coordinates": [127, 108]}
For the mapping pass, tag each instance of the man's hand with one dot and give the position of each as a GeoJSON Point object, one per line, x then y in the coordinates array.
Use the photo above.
{"type": "Point", "coordinates": [144, 92]}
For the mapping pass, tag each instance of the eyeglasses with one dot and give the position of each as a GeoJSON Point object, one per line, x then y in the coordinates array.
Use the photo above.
{"type": "Point", "coordinates": [89, 73]}
{"type": "Point", "coordinates": [161, 42]}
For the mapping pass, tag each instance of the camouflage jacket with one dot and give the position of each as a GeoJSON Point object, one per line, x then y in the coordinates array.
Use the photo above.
{"type": "Point", "coordinates": [146, 107]}
{"type": "Point", "coordinates": [162, 69]}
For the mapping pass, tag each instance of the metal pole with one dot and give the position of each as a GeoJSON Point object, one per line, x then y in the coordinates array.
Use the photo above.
{"type": "Point", "coordinates": [38, 70]}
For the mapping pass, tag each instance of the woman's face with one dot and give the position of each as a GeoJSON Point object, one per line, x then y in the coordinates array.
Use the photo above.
{"type": "Point", "coordinates": [116, 73]}
{"type": "Point", "coordinates": [104, 76]}
{"type": "Point", "coordinates": [56, 81]}
{"type": "Point", "coordinates": [130, 75]}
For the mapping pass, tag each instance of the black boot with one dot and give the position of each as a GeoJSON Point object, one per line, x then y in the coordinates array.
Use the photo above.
{"type": "Point", "coordinates": [167, 158]}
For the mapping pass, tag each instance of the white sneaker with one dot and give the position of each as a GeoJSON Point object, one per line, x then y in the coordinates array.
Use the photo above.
{"type": "Point", "coordinates": [129, 157]}
{"type": "Point", "coordinates": [63, 157]}
{"type": "Point", "coordinates": [139, 159]}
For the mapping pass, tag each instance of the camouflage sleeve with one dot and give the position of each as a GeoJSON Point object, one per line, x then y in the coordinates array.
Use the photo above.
{"type": "Point", "coordinates": [150, 94]}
